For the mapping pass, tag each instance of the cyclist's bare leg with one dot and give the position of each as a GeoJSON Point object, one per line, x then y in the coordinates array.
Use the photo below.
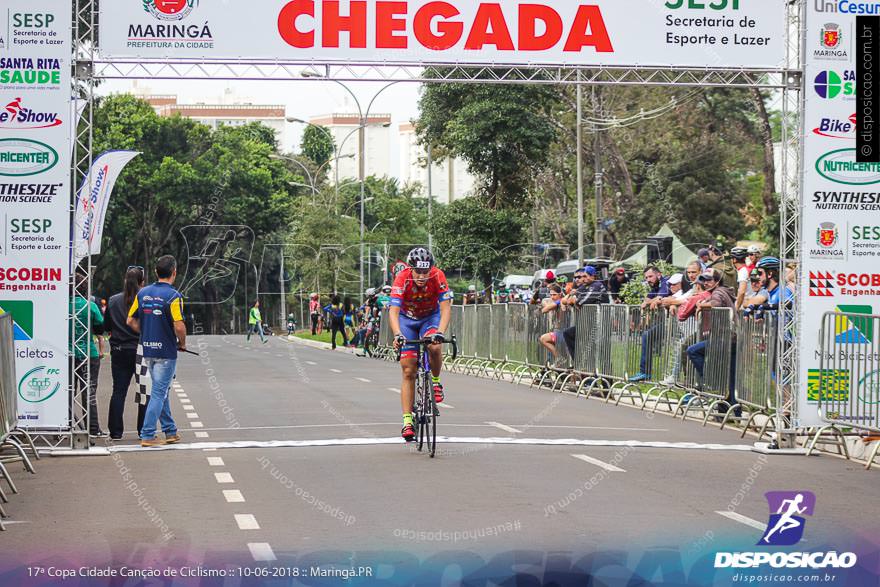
{"type": "Point", "coordinates": [435, 355]}
{"type": "Point", "coordinates": [410, 368]}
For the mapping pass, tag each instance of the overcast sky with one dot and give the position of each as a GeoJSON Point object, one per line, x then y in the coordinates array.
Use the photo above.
{"type": "Point", "coordinates": [302, 99]}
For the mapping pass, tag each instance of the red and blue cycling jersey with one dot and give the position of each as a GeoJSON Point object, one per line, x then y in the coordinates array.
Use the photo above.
{"type": "Point", "coordinates": [417, 302]}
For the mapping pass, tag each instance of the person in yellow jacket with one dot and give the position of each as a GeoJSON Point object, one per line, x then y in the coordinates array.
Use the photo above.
{"type": "Point", "coordinates": [255, 323]}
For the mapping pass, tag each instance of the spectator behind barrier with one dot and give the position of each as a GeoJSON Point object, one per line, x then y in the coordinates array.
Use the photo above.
{"type": "Point", "coordinates": [553, 303]}
{"type": "Point", "coordinates": [719, 297]}
{"type": "Point", "coordinates": [658, 287]}
{"type": "Point", "coordinates": [616, 282]}
{"type": "Point", "coordinates": [691, 274]}
{"type": "Point", "coordinates": [703, 259]}
{"type": "Point", "coordinates": [724, 265]}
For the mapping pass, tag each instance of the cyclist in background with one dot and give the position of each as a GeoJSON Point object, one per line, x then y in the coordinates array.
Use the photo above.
{"type": "Point", "coordinates": [421, 307]}
{"type": "Point", "coordinates": [384, 298]}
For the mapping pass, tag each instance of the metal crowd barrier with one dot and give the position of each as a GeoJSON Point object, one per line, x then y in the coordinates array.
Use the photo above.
{"type": "Point", "coordinates": [614, 343]}
{"type": "Point", "coordinates": [755, 367]}
{"type": "Point", "coordinates": [846, 386]}
{"type": "Point", "coordinates": [10, 434]}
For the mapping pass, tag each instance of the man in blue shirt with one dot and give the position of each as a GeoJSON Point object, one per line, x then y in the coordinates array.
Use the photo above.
{"type": "Point", "coordinates": [157, 314]}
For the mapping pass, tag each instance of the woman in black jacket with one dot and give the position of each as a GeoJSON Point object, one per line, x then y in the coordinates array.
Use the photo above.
{"type": "Point", "coordinates": [123, 349]}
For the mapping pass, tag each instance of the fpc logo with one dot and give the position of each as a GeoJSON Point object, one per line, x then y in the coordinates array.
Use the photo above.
{"type": "Point", "coordinates": [170, 9]}
{"type": "Point", "coordinates": [786, 524]}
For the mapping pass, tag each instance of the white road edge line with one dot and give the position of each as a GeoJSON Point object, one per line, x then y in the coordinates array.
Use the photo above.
{"type": "Point", "coordinates": [261, 551]}
{"type": "Point", "coordinates": [598, 463]}
{"type": "Point", "coordinates": [742, 519]}
{"type": "Point", "coordinates": [246, 522]}
{"type": "Point", "coordinates": [233, 496]}
{"type": "Point", "coordinates": [504, 427]}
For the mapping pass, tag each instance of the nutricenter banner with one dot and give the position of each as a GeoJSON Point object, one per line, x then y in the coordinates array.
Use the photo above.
{"type": "Point", "coordinates": [684, 33]}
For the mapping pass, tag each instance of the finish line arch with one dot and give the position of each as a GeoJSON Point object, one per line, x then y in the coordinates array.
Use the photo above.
{"type": "Point", "coordinates": [454, 41]}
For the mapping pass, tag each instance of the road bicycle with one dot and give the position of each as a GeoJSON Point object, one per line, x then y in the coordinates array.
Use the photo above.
{"type": "Point", "coordinates": [425, 408]}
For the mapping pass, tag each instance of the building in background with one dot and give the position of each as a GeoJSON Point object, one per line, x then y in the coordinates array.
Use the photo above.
{"type": "Point", "coordinates": [224, 114]}
{"type": "Point", "coordinates": [377, 143]}
{"type": "Point", "coordinates": [450, 179]}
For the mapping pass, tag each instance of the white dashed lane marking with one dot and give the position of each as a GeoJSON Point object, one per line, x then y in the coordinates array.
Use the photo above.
{"type": "Point", "coordinates": [233, 496]}
{"type": "Point", "coordinates": [246, 522]}
{"type": "Point", "coordinates": [598, 463]}
{"type": "Point", "coordinates": [336, 370]}
{"type": "Point", "coordinates": [394, 389]}
{"type": "Point", "coordinates": [743, 519]}
{"type": "Point", "coordinates": [201, 434]}
{"type": "Point", "coordinates": [224, 478]}
{"type": "Point", "coordinates": [188, 407]}
{"type": "Point", "coordinates": [192, 415]}
{"type": "Point", "coordinates": [504, 427]}
{"type": "Point", "coordinates": [261, 551]}
{"type": "Point", "coordinates": [311, 363]}
{"type": "Point", "coordinates": [362, 379]}
{"type": "Point", "coordinates": [196, 424]}
{"type": "Point", "coordinates": [215, 461]}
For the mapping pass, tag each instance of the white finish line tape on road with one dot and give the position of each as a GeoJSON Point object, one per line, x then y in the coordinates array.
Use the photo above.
{"type": "Point", "coordinates": [742, 519]}
{"type": "Point", "coordinates": [440, 439]}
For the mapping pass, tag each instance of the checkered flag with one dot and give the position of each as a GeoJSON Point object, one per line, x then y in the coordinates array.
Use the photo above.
{"type": "Point", "coordinates": [142, 379]}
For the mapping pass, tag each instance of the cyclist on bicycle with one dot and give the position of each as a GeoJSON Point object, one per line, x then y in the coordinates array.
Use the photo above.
{"type": "Point", "coordinates": [421, 306]}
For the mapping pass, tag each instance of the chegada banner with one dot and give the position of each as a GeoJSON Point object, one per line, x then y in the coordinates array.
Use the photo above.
{"type": "Point", "coordinates": [737, 34]}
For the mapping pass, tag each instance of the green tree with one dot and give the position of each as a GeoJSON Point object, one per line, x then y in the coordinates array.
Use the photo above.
{"type": "Point", "coordinates": [470, 236]}
{"type": "Point", "coordinates": [186, 175]}
{"type": "Point", "coordinates": [317, 144]}
{"type": "Point", "coordinates": [504, 132]}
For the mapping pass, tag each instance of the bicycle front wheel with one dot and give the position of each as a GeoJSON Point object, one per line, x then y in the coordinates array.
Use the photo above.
{"type": "Point", "coordinates": [430, 415]}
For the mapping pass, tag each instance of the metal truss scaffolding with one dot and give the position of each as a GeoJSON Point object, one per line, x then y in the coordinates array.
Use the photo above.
{"type": "Point", "coordinates": [786, 80]}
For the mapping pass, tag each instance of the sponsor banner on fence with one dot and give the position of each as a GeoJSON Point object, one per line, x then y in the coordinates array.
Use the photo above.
{"type": "Point", "coordinates": [717, 33]}
{"type": "Point", "coordinates": [841, 200]}
{"type": "Point", "coordinates": [35, 89]}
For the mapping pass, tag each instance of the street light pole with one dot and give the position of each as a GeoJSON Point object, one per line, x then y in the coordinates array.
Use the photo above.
{"type": "Point", "coordinates": [599, 180]}
{"type": "Point", "coordinates": [430, 205]}
{"type": "Point", "coordinates": [580, 178]}
{"type": "Point", "coordinates": [283, 293]}
{"type": "Point", "coordinates": [362, 176]}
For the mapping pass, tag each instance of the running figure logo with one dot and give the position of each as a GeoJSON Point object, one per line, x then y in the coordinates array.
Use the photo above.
{"type": "Point", "coordinates": [786, 524]}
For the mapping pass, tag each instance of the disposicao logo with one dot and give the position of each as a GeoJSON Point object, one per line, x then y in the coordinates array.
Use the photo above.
{"type": "Point", "coordinates": [23, 157]}
{"type": "Point", "coordinates": [786, 524]}
{"type": "Point", "coordinates": [840, 166]}
{"type": "Point", "coordinates": [786, 528]}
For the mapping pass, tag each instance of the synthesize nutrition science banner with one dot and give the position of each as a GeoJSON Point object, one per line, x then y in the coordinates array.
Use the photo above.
{"type": "Point", "coordinates": [684, 33]}
{"type": "Point", "coordinates": [35, 89]}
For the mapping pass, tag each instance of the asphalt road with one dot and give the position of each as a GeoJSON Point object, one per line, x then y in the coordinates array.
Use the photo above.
{"type": "Point", "coordinates": [289, 449]}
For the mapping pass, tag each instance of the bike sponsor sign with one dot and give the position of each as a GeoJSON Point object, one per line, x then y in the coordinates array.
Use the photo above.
{"type": "Point", "coordinates": [717, 34]}
{"type": "Point", "coordinates": [35, 130]}
{"type": "Point", "coordinates": [840, 225]}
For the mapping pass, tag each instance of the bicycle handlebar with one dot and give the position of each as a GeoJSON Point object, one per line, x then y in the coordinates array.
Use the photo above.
{"type": "Point", "coordinates": [426, 341]}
